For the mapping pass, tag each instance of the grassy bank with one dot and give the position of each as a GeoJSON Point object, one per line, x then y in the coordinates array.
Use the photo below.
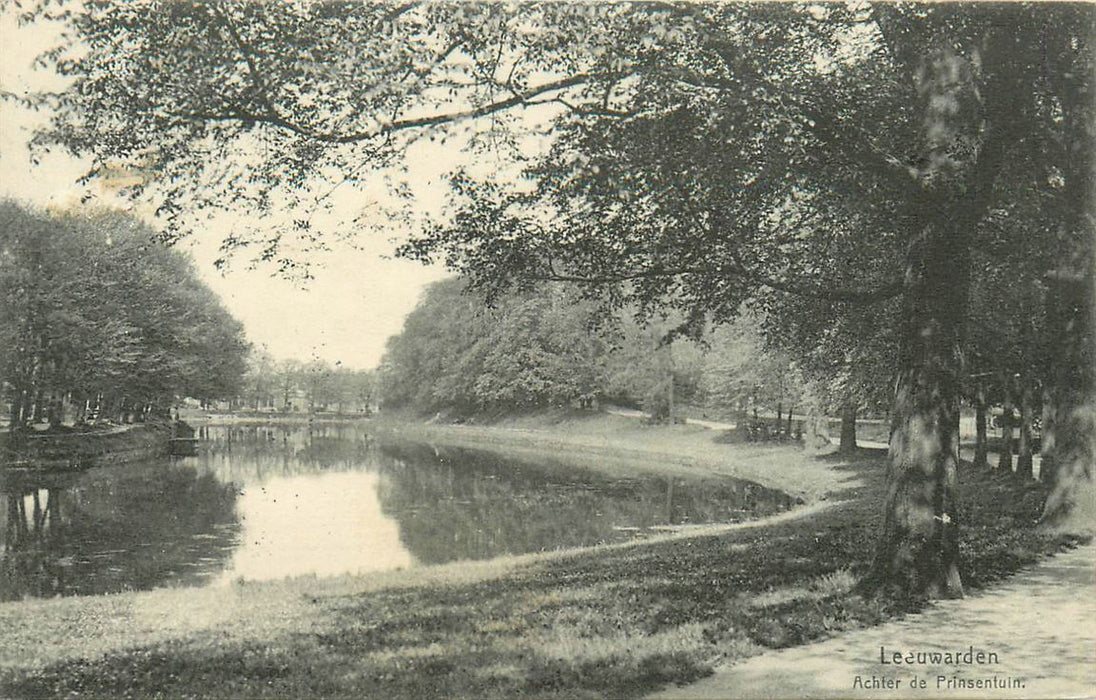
{"type": "Point", "coordinates": [618, 445]}
{"type": "Point", "coordinates": [613, 621]}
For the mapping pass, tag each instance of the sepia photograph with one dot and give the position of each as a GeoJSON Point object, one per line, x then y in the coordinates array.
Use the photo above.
{"type": "Point", "coordinates": [570, 349]}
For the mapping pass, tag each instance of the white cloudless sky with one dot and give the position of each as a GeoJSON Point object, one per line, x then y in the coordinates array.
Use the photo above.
{"type": "Point", "coordinates": [359, 295]}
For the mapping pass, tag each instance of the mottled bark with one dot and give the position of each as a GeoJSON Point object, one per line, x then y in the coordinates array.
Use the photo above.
{"type": "Point", "coordinates": [1071, 298]}
{"type": "Point", "coordinates": [979, 97]}
{"type": "Point", "coordinates": [1071, 503]}
{"type": "Point", "coordinates": [918, 552]}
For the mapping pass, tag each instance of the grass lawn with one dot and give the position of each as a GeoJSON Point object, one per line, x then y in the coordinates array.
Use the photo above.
{"type": "Point", "coordinates": [614, 621]}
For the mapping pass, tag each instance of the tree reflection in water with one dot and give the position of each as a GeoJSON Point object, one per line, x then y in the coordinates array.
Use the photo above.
{"type": "Point", "coordinates": [468, 504]}
{"type": "Point", "coordinates": [110, 529]}
{"type": "Point", "coordinates": [263, 502]}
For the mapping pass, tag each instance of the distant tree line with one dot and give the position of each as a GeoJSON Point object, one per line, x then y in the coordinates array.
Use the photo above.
{"type": "Point", "coordinates": [530, 350]}
{"type": "Point", "coordinates": [292, 386]}
{"type": "Point", "coordinates": [549, 347]}
{"type": "Point", "coordinates": [100, 320]}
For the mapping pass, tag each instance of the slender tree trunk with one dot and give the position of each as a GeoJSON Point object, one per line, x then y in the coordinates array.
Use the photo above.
{"type": "Point", "coordinates": [1047, 437]}
{"type": "Point", "coordinates": [981, 452]}
{"type": "Point", "coordinates": [38, 409]}
{"type": "Point", "coordinates": [37, 516]}
{"type": "Point", "coordinates": [848, 429]}
{"type": "Point", "coordinates": [56, 411]}
{"type": "Point", "coordinates": [12, 529]}
{"type": "Point", "coordinates": [15, 411]}
{"type": "Point", "coordinates": [1008, 419]}
{"type": "Point", "coordinates": [27, 410]}
{"type": "Point", "coordinates": [1024, 459]}
{"type": "Point", "coordinates": [670, 398]}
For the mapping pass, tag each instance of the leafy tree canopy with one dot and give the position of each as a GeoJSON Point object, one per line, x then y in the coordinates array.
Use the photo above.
{"type": "Point", "coordinates": [94, 305]}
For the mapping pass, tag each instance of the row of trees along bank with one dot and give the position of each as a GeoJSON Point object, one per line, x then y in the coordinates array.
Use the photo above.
{"type": "Point", "coordinates": [869, 158]}
{"type": "Point", "coordinates": [291, 386]}
{"type": "Point", "coordinates": [100, 321]}
{"type": "Point", "coordinates": [549, 347]}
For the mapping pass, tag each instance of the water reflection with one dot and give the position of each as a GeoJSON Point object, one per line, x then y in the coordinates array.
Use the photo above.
{"type": "Point", "coordinates": [309, 501]}
{"type": "Point", "coordinates": [269, 502]}
{"type": "Point", "coordinates": [322, 524]}
{"type": "Point", "coordinates": [465, 504]}
{"type": "Point", "coordinates": [109, 529]}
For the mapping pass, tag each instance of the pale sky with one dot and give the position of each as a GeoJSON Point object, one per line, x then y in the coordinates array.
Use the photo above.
{"type": "Point", "coordinates": [357, 299]}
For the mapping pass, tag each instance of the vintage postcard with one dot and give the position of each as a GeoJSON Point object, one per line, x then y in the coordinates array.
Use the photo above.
{"type": "Point", "coordinates": [567, 349]}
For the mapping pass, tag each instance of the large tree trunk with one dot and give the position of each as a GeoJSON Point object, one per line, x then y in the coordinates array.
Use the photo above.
{"type": "Point", "coordinates": [918, 552]}
{"type": "Point", "coordinates": [1071, 303]}
{"type": "Point", "coordinates": [848, 429]}
{"type": "Point", "coordinates": [1071, 503]}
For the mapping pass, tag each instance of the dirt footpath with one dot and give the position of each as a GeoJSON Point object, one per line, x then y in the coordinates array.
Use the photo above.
{"type": "Point", "coordinates": [1040, 625]}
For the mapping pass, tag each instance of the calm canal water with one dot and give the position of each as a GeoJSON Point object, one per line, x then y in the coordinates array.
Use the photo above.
{"type": "Point", "coordinates": [268, 502]}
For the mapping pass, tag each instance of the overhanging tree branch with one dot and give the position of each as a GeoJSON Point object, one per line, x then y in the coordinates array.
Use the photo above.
{"type": "Point", "coordinates": [860, 148]}
{"type": "Point", "coordinates": [736, 269]}
{"type": "Point", "coordinates": [385, 129]}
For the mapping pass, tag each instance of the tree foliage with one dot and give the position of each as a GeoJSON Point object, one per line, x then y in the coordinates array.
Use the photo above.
{"type": "Point", "coordinates": [97, 313]}
{"type": "Point", "coordinates": [743, 373]}
{"type": "Point", "coordinates": [530, 350]}
{"type": "Point", "coordinates": [290, 385]}
{"type": "Point", "coordinates": [549, 348]}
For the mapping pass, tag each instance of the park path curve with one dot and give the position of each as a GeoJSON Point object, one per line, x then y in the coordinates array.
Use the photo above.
{"type": "Point", "coordinates": [1041, 623]}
